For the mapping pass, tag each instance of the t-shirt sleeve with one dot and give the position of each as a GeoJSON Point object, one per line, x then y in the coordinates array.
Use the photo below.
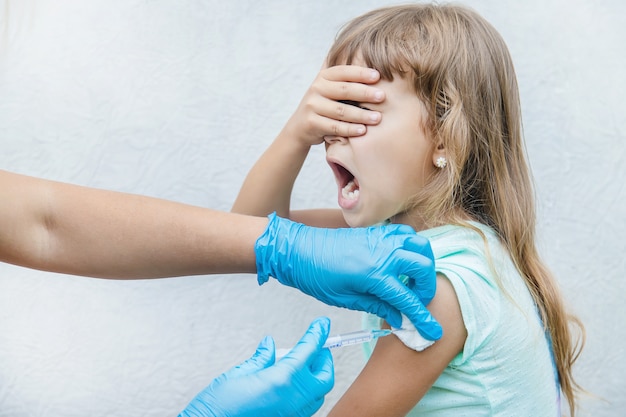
{"type": "Point", "coordinates": [478, 298]}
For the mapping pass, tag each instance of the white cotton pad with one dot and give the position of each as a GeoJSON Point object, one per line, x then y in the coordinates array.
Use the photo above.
{"type": "Point", "coordinates": [409, 335]}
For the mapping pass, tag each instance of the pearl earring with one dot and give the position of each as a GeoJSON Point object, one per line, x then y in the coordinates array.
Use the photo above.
{"type": "Point", "coordinates": [441, 162]}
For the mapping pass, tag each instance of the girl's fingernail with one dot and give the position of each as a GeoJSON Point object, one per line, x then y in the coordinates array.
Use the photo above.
{"type": "Point", "coordinates": [360, 130]}
{"type": "Point", "coordinates": [373, 74]}
{"type": "Point", "coordinates": [378, 95]}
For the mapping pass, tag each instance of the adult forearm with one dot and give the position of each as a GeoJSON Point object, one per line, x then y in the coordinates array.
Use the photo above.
{"type": "Point", "coordinates": [132, 237]}
{"type": "Point", "coordinates": [78, 230]}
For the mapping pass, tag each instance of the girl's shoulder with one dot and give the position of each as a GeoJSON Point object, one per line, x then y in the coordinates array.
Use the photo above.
{"type": "Point", "coordinates": [461, 233]}
{"type": "Point", "coordinates": [470, 243]}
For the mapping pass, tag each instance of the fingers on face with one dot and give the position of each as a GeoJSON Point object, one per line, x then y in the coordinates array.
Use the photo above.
{"type": "Point", "coordinates": [345, 96]}
{"type": "Point", "coordinates": [353, 89]}
{"type": "Point", "coordinates": [353, 73]}
{"type": "Point", "coordinates": [347, 120]}
{"type": "Point", "coordinates": [355, 93]}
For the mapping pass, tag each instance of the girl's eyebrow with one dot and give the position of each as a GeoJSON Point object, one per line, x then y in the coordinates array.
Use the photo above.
{"type": "Point", "coordinates": [354, 103]}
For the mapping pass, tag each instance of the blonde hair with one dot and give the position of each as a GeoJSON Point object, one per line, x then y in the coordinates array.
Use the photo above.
{"type": "Point", "coordinates": [461, 69]}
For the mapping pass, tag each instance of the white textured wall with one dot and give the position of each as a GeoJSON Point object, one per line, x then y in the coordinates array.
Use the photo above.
{"type": "Point", "coordinates": [177, 98]}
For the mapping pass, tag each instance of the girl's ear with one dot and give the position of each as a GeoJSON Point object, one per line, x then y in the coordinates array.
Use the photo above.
{"type": "Point", "coordinates": [439, 157]}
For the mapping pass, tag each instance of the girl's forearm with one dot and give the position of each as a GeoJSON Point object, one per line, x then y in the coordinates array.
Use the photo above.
{"type": "Point", "coordinates": [322, 112]}
{"type": "Point", "coordinates": [268, 185]}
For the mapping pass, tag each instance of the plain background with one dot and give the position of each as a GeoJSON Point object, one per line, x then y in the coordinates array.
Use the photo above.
{"type": "Point", "coordinates": [177, 98]}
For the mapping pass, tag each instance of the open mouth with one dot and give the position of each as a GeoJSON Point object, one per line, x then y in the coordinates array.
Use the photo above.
{"type": "Point", "coordinates": [348, 184]}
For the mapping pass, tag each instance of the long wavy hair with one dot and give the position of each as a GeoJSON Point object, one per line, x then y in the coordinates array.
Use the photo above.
{"type": "Point", "coordinates": [461, 69]}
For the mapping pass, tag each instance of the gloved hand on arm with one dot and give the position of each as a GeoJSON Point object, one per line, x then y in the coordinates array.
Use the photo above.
{"type": "Point", "coordinates": [294, 386]}
{"type": "Point", "coordinates": [355, 268]}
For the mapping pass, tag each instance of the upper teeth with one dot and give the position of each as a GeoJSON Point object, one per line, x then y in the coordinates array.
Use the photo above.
{"type": "Point", "coordinates": [350, 191]}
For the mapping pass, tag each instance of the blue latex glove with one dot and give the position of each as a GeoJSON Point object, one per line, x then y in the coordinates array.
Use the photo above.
{"type": "Point", "coordinates": [354, 268]}
{"type": "Point", "coordinates": [294, 386]}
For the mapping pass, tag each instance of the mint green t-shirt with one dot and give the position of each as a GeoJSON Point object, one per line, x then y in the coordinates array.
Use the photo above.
{"type": "Point", "coordinates": [506, 367]}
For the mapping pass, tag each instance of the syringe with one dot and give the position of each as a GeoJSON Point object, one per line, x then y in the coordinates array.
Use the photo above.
{"type": "Point", "coordinates": [346, 339]}
{"type": "Point", "coordinates": [355, 338]}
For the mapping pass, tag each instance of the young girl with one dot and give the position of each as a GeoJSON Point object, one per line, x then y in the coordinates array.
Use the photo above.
{"type": "Point", "coordinates": [447, 158]}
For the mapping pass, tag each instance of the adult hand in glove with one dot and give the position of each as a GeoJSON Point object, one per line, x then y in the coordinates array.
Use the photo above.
{"type": "Point", "coordinates": [355, 268]}
{"type": "Point", "coordinates": [293, 386]}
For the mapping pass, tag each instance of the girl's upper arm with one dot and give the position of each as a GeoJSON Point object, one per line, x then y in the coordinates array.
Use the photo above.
{"type": "Point", "coordinates": [395, 378]}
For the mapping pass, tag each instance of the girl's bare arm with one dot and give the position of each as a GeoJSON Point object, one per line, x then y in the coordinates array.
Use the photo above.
{"type": "Point", "coordinates": [269, 183]}
{"type": "Point", "coordinates": [395, 378]}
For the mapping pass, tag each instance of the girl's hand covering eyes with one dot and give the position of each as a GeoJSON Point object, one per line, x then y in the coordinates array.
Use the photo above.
{"type": "Point", "coordinates": [354, 103]}
{"type": "Point", "coordinates": [336, 105]}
